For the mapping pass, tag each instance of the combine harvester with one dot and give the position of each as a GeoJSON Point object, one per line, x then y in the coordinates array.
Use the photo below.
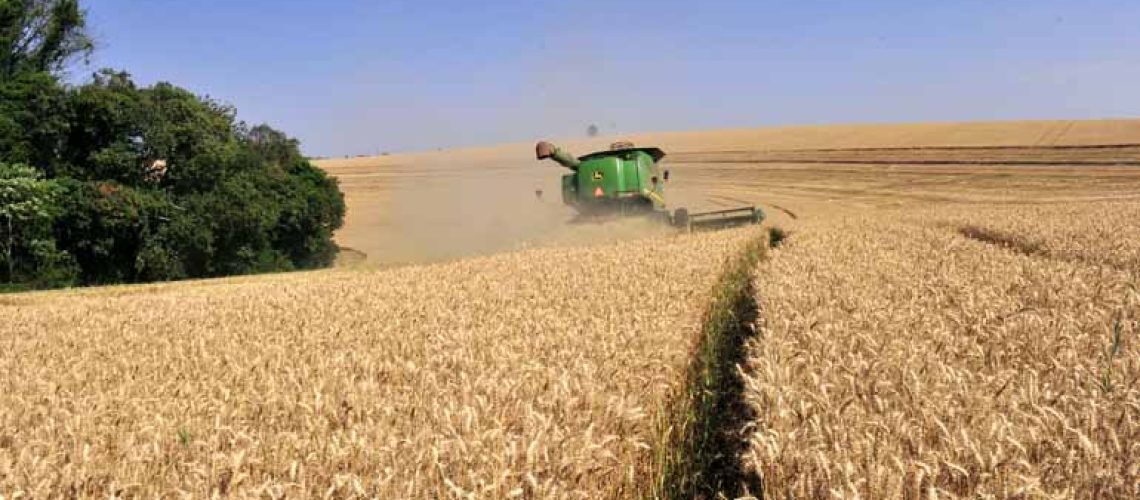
{"type": "Point", "coordinates": [626, 180]}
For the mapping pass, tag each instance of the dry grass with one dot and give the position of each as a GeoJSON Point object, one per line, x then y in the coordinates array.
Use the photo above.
{"type": "Point", "coordinates": [531, 374]}
{"type": "Point", "coordinates": [901, 358]}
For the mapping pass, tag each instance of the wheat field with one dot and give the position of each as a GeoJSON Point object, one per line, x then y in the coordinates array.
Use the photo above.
{"type": "Point", "coordinates": [952, 314]}
{"type": "Point", "coordinates": [941, 353]}
{"type": "Point", "coordinates": [525, 374]}
{"type": "Point", "coordinates": [454, 203]}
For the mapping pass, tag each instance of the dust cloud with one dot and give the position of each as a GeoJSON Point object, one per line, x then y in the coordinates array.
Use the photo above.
{"type": "Point", "coordinates": [446, 205]}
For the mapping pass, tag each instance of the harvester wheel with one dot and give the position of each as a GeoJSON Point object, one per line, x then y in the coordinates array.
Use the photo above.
{"type": "Point", "coordinates": [681, 220]}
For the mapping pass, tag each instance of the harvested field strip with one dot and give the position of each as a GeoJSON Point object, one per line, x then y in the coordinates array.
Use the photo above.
{"type": "Point", "coordinates": [900, 360]}
{"type": "Point", "coordinates": [1092, 156]}
{"type": "Point", "coordinates": [976, 134]}
{"type": "Point", "coordinates": [921, 161]}
{"type": "Point", "coordinates": [531, 374]}
{"type": "Point", "coordinates": [700, 443]}
{"type": "Point", "coordinates": [1051, 137]}
{"type": "Point", "coordinates": [1089, 147]}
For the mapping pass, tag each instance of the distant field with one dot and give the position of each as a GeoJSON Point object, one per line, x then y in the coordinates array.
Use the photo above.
{"type": "Point", "coordinates": [437, 205]}
{"type": "Point", "coordinates": [909, 135]}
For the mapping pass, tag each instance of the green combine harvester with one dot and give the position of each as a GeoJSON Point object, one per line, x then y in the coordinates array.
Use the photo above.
{"type": "Point", "coordinates": [627, 180]}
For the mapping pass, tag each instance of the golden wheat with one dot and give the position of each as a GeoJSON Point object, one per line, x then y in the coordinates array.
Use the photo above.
{"type": "Point", "coordinates": [903, 358]}
{"type": "Point", "coordinates": [524, 374]}
{"type": "Point", "coordinates": [1096, 234]}
{"type": "Point", "coordinates": [957, 350]}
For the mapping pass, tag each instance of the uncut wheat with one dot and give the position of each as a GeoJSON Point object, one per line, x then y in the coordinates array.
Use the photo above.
{"type": "Point", "coordinates": [901, 358]}
{"type": "Point", "coordinates": [530, 374]}
{"type": "Point", "coordinates": [1096, 234]}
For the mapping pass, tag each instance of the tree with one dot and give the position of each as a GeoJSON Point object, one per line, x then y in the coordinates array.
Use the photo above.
{"type": "Point", "coordinates": [114, 232]}
{"type": "Point", "coordinates": [592, 130]}
{"type": "Point", "coordinates": [27, 209]}
{"type": "Point", "coordinates": [110, 182]}
{"type": "Point", "coordinates": [33, 120]}
{"type": "Point", "coordinates": [231, 199]}
{"type": "Point", "coordinates": [37, 38]}
{"type": "Point", "coordinates": [41, 35]}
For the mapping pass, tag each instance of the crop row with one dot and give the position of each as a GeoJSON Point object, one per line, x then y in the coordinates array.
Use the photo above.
{"type": "Point", "coordinates": [901, 357]}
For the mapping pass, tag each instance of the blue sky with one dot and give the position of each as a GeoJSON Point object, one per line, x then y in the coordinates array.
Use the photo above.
{"type": "Point", "coordinates": [355, 77]}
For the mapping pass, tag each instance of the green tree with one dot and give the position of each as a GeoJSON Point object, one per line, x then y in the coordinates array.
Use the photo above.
{"type": "Point", "coordinates": [230, 199]}
{"type": "Point", "coordinates": [117, 130]}
{"type": "Point", "coordinates": [312, 205]}
{"type": "Point", "coordinates": [110, 182]}
{"type": "Point", "coordinates": [110, 230]}
{"type": "Point", "coordinates": [41, 35]}
{"type": "Point", "coordinates": [27, 210]}
{"type": "Point", "coordinates": [37, 39]}
{"type": "Point", "coordinates": [33, 120]}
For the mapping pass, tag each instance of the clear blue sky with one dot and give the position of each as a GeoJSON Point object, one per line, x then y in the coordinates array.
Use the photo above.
{"type": "Point", "coordinates": [354, 76]}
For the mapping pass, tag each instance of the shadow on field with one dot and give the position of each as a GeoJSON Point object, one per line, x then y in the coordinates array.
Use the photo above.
{"type": "Point", "coordinates": [731, 416]}
{"type": "Point", "coordinates": [1003, 240]}
{"type": "Point", "coordinates": [1036, 249]}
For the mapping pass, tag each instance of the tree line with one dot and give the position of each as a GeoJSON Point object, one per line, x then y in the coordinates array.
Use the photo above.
{"type": "Point", "coordinates": [112, 182]}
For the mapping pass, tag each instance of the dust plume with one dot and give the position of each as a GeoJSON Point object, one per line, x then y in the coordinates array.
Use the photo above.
{"type": "Point", "coordinates": [443, 205]}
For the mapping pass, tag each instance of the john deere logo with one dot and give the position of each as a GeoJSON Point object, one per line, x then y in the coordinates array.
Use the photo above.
{"type": "Point", "coordinates": [597, 175]}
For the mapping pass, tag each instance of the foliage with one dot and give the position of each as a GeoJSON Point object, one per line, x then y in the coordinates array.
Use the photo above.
{"type": "Point", "coordinates": [227, 198]}
{"type": "Point", "coordinates": [136, 184]}
{"type": "Point", "coordinates": [27, 209]}
{"type": "Point", "coordinates": [40, 35]}
{"type": "Point", "coordinates": [33, 120]}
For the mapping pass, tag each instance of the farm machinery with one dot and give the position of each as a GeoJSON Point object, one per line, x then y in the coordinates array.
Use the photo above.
{"type": "Point", "coordinates": [627, 180]}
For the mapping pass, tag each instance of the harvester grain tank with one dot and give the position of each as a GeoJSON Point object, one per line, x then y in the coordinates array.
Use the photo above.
{"type": "Point", "coordinates": [628, 180]}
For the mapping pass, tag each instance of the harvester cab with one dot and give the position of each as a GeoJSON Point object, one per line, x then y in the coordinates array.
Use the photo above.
{"type": "Point", "coordinates": [628, 180]}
